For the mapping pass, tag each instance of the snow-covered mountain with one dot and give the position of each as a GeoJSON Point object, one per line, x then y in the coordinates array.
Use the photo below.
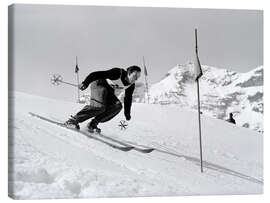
{"type": "Point", "coordinates": [221, 92]}
{"type": "Point", "coordinates": [48, 161]}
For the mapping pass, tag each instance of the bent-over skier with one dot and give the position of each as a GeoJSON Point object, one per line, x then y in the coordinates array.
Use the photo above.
{"type": "Point", "coordinates": [104, 105]}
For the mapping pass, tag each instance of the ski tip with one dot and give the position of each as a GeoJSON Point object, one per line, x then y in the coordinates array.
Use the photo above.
{"type": "Point", "coordinates": [149, 150]}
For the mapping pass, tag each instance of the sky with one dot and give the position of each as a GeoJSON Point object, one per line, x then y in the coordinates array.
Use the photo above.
{"type": "Point", "coordinates": [46, 40]}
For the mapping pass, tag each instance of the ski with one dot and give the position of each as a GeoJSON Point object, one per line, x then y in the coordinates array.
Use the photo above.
{"type": "Point", "coordinates": [128, 144]}
{"type": "Point", "coordinates": [112, 142]}
{"type": "Point", "coordinates": [115, 146]}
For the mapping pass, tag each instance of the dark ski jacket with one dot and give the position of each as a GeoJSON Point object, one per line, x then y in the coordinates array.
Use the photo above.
{"type": "Point", "coordinates": [114, 74]}
{"type": "Point", "coordinates": [231, 120]}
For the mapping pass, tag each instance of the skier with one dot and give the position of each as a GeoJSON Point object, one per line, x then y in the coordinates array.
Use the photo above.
{"type": "Point", "coordinates": [104, 105]}
{"type": "Point", "coordinates": [231, 119]}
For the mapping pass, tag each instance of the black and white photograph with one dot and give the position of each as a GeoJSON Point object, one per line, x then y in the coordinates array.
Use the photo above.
{"type": "Point", "coordinates": [119, 101]}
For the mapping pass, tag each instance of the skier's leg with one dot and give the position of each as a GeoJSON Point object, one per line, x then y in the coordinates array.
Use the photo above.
{"type": "Point", "coordinates": [97, 104]}
{"type": "Point", "coordinates": [87, 112]}
{"type": "Point", "coordinates": [113, 108]}
{"type": "Point", "coordinates": [110, 112]}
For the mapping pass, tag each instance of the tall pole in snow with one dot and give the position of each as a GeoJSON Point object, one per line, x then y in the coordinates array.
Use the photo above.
{"type": "Point", "coordinates": [198, 72]}
{"type": "Point", "coordinates": [146, 82]}
{"type": "Point", "coordinates": [77, 73]}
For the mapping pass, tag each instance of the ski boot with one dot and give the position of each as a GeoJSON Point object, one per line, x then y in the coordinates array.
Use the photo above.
{"type": "Point", "coordinates": [72, 123]}
{"type": "Point", "coordinates": [92, 128]}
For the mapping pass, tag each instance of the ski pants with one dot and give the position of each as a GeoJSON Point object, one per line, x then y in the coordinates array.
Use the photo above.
{"type": "Point", "coordinates": [104, 105]}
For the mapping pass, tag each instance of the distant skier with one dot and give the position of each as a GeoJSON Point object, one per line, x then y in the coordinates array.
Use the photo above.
{"type": "Point", "coordinates": [231, 119]}
{"type": "Point", "coordinates": [104, 105]}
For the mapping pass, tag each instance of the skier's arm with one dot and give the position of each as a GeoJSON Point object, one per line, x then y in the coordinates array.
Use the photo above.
{"type": "Point", "coordinates": [128, 101]}
{"type": "Point", "coordinates": [112, 74]}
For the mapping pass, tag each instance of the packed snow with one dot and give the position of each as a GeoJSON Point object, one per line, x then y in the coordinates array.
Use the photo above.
{"type": "Point", "coordinates": [48, 161]}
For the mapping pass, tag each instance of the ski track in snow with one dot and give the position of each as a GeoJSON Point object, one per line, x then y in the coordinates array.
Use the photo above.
{"type": "Point", "coordinates": [47, 161]}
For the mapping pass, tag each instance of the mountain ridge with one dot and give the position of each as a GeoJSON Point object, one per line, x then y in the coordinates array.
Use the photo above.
{"type": "Point", "coordinates": [222, 92]}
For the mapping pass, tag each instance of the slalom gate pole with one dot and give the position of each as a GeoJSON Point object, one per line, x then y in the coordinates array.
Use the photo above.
{"type": "Point", "coordinates": [199, 109]}
{"type": "Point", "coordinates": [146, 82]}
{"type": "Point", "coordinates": [199, 118]}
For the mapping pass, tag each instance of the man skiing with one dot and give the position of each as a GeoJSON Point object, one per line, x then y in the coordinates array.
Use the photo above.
{"type": "Point", "coordinates": [104, 105]}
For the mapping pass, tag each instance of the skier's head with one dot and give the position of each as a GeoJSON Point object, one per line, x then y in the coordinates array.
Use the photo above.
{"type": "Point", "coordinates": [231, 115]}
{"type": "Point", "coordinates": [133, 73]}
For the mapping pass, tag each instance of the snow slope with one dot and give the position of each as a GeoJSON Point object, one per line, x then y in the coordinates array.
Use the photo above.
{"type": "Point", "coordinates": [47, 161]}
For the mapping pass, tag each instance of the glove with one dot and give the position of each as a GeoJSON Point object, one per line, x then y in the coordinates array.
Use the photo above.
{"type": "Point", "coordinates": [82, 86]}
{"type": "Point", "coordinates": [128, 117]}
